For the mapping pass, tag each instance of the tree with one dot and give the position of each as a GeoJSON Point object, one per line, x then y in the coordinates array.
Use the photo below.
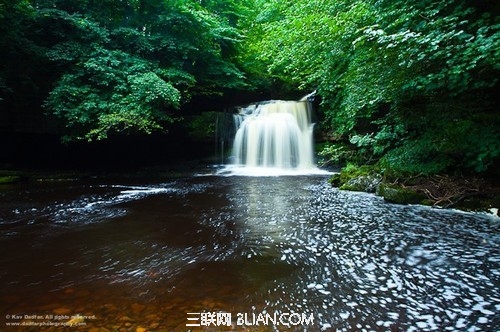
{"type": "Point", "coordinates": [22, 64]}
{"type": "Point", "coordinates": [125, 66]}
{"type": "Point", "coordinates": [402, 80]}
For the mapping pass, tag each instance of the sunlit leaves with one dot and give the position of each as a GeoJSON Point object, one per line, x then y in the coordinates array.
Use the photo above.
{"type": "Point", "coordinates": [130, 68]}
{"type": "Point", "coordinates": [113, 91]}
{"type": "Point", "coordinates": [384, 68]}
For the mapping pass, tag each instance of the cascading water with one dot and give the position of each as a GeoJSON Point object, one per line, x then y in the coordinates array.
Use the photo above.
{"type": "Point", "coordinates": [274, 138]}
{"type": "Point", "coordinates": [275, 134]}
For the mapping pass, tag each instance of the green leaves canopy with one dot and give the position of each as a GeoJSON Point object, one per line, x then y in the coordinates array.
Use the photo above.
{"type": "Point", "coordinates": [111, 91]}
{"type": "Point", "coordinates": [409, 83]}
{"type": "Point", "coordinates": [399, 78]}
{"type": "Point", "coordinates": [129, 65]}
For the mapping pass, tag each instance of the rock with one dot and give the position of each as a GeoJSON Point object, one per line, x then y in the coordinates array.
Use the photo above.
{"type": "Point", "coordinates": [62, 311]}
{"type": "Point", "coordinates": [49, 307]}
{"type": "Point", "coordinates": [363, 178]}
{"type": "Point", "coordinates": [335, 180]}
{"type": "Point", "coordinates": [495, 201]}
{"type": "Point", "coordinates": [137, 307]}
{"type": "Point", "coordinates": [140, 329]}
{"type": "Point", "coordinates": [152, 317]}
{"type": "Point", "coordinates": [126, 319]}
{"type": "Point", "coordinates": [472, 204]}
{"type": "Point", "coordinates": [9, 179]}
{"type": "Point", "coordinates": [367, 183]}
{"type": "Point", "coordinates": [83, 293]}
{"type": "Point", "coordinates": [109, 307]}
{"type": "Point", "coordinates": [399, 195]}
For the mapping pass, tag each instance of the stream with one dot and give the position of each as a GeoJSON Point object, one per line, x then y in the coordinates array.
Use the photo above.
{"type": "Point", "coordinates": [241, 253]}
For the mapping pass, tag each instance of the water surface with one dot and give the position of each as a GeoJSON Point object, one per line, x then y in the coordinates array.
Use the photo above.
{"type": "Point", "coordinates": [135, 254]}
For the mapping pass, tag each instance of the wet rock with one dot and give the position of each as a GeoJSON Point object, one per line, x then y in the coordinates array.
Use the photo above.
{"type": "Point", "coordinates": [83, 293]}
{"type": "Point", "coordinates": [399, 195]}
{"type": "Point", "coordinates": [367, 183]}
{"type": "Point", "coordinates": [9, 179]}
{"type": "Point", "coordinates": [363, 178]}
{"type": "Point", "coordinates": [62, 311]}
{"type": "Point", "coordinates": [335, 180]}
{"type": "Point", "coordinates": [152, 317]}
{"type": "Point", "coordinates": [126, 319]}
{"type": "Point", "coordinates": [473, 204]}
{"type": "Point", "coordinates": [109, 307]}
{"type": "Point", "coordinates": [495, 201]}
{"type": "Point", "coordinates": [137, 307]}
{"type": "Point", "coordinates": [49, 307]}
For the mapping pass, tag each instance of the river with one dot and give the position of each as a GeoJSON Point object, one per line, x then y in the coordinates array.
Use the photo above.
{"type": "Point", "coordinates": [256, 253]}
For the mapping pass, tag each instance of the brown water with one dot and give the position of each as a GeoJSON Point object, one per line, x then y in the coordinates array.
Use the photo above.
{"type": "Point", "coordinates": [144, 256]}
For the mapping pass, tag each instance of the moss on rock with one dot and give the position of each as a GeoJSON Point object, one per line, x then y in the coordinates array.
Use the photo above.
{"type": "Point", "coordinates": [367, 183]}
{"type": "Point", "coordinates": [397, 194]}
{"type": "Point", "coordinates": [334, 180]}
{"type": "Point", "coordinates": [465, 193]}
{"type": "Point", "coordinates": [9, 179]}
{"type": "Point", "coordinates": [9, 176]}
{"type": "Point", "coordinates": [364, 178]}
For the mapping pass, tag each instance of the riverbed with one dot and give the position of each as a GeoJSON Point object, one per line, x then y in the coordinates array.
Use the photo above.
{"type": "Point", "coordinates": [215, 252]}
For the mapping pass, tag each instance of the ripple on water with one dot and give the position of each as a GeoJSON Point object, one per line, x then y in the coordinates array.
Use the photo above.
{"type": "Point", "coordinates": [371, 263]}
{"type": "Point", "coordinates": [274, 244]}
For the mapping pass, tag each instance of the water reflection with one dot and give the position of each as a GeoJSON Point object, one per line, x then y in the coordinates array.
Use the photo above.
{"type": "Point", "coordinates": [246, 244]}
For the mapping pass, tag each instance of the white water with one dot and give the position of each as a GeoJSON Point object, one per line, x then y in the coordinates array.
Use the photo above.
{"type": "Point", "coordinates": [274, 138]}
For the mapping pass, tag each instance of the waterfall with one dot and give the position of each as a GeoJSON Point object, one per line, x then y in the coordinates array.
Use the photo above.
{"type": "Point", "coordinates": [275, 134]}
{"type": "Point", "coordinates": [273, 138]}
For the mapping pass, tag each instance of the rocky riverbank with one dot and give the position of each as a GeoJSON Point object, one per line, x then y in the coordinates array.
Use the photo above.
{"type": "Point", "coordinates": [445, 191]}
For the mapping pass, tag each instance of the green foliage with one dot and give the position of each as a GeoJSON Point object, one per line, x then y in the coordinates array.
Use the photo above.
{"type": "Point", "coordinates": [441, 143]}
{"type": "Point", "coordinates": [111, 91]}
{"type": "Point", "coordinates": [123, 66]}
{"type": "Point", "coordinates": [203, 126]}
{"type": "Point", "coordinates": [341, 153]}
{"type": "Point", "coordinates": [417, 157]}
{"type": "Point", "coordinates": [19, 56]}
{"type": "Point", "coordinates": [384, 70]}
{"type": "Point", "coordinates": [408, 83]}
{"type": "Point", "coordinates": [9, 179]}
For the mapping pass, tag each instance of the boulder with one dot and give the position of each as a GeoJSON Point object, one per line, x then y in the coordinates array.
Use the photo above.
{"type": "Point", "coordinates": [367, 183]}
{"type": "Point", "coordinates": [397, 194]}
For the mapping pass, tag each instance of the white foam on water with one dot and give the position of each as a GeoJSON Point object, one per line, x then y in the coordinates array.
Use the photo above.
{"type": "Point", "coordinates": [239, 170]}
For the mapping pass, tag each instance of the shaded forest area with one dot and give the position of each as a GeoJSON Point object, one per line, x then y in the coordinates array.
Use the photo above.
{"type": "Point", "coordinates": [408, 87]}
{"type": "Point", "coordinates": [119, 74]}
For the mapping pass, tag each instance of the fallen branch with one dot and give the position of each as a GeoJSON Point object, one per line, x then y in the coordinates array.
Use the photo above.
{"type": "Point", "coordinates": [447, 191]}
